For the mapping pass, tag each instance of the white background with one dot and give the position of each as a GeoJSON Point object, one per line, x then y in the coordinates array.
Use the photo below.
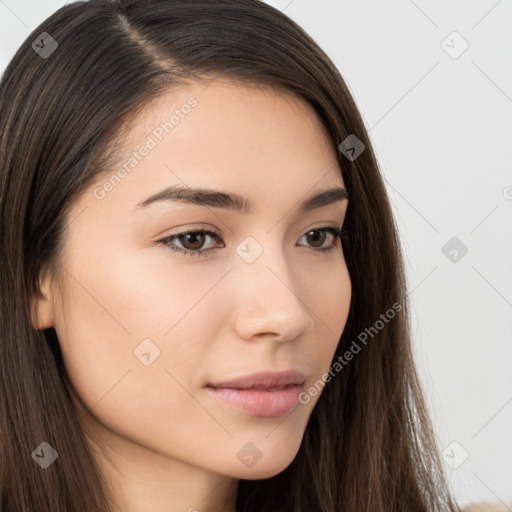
{"type": "Point", "coordinates": [442, 129]}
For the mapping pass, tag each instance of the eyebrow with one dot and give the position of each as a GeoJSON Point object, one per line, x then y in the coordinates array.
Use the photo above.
{"type": "Point", "coordinates": [235, 202]}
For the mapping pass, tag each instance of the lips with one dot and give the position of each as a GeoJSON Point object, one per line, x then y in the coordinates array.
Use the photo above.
{"type": "Point", "coordinates": [265, 394]}
{"type": "Point", "coordinates": [263, 380]}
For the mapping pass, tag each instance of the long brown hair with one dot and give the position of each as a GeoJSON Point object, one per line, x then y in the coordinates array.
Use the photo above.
{"type": "Point", "coordinates": [369, 444]}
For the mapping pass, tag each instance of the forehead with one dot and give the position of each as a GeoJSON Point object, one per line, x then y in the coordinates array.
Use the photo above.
{"type": "Point", "coordinates": [224, 134]}
{"type": "Point", "coordinates": [238, 117]}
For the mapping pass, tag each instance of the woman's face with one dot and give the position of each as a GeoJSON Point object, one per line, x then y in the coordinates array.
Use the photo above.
{"type": "Point", "coordinates": [144, 329]}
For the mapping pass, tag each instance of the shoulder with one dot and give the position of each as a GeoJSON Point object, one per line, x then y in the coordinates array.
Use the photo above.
{"type": "Point", "coordinates": [486, 506]}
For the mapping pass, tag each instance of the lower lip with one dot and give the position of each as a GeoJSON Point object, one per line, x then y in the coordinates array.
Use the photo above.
{"type": "Point", "coordinates": [261, 402]}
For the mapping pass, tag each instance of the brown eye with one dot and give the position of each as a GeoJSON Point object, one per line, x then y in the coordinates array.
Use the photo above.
{"type": "Point", "coordinates": [192, 241]}
{"type": "Point", "coordinates": [315, 240]}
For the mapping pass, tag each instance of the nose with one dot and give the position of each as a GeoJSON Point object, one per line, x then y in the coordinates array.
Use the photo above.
{"type": "Point", "coordinates": [270, 300]}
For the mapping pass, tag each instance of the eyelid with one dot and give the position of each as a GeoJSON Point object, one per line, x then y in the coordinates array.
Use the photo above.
{"type": "Point", "coordinates": [203, 227]}
{"type": "Point", "coordinates": [337, 232]}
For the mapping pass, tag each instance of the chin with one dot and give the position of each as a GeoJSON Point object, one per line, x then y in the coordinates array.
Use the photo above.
{"type": "Point", "coordinates": [273, 460]}
{"type": "Point", "coordinates": [262, 470]}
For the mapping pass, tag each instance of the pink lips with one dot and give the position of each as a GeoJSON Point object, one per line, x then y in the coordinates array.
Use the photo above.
{"type": "Point", "coordinates": [265, 394]}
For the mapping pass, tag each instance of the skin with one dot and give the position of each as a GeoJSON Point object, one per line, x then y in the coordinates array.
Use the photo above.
{"type": "Point", "coordinates": [162, 442]}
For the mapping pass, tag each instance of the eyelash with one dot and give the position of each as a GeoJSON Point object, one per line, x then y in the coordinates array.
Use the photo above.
{"type": "Point", "coordinates": [338, 234]}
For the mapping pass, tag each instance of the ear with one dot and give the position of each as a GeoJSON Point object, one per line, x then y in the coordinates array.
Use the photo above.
{"type": "Point", "coordinates": [42, 307]}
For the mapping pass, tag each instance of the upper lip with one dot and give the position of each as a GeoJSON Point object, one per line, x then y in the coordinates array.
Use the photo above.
{"type": "Point", "coordinates": [264, 379]}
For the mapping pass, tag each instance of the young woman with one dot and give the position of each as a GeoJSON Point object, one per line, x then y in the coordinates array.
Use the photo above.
{"type": "Point", "coordinates": [203, 300]}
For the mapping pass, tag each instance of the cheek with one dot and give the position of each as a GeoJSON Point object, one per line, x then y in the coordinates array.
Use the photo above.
{"type": "Point", "coordinates": [329, 302]}
{"type": "Point", "coordinates": [329, 298]}
{"type": "Point", "coordinates": [122, 327]}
